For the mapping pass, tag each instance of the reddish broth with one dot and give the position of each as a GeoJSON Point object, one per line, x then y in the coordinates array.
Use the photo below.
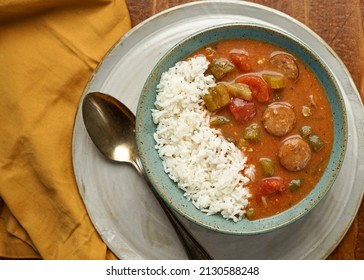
{"type": "Point", "coordinates": [307, 91]}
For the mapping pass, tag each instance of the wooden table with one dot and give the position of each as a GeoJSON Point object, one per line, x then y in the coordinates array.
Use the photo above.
{"type": "Point", "coordinates": [341, 24]}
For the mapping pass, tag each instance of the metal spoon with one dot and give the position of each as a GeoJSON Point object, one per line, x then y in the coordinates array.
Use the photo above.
{"type": "Point", "coordinates": [111, 126]}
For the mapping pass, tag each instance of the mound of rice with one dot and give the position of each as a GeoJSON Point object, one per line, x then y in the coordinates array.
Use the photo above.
{"type": "Point", "coordinates": [212, 171]}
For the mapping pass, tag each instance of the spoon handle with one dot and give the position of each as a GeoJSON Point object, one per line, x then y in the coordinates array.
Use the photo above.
{"type": "Point", "coordinates": [194, 249]}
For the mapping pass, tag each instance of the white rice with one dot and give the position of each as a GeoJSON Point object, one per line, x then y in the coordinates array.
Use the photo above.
{"type": "Point", "coordinates": [198, 158]}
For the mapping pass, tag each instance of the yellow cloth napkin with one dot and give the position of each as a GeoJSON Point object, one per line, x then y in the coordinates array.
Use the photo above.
{"type": "Point", "coordinates": [48, 50]}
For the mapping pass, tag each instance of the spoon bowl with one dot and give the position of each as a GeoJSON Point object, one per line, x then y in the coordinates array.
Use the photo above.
{"type": "Point", "coordinates": [111, 126]}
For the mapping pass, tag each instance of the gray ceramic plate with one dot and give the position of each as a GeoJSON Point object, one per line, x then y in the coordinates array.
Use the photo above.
{"type": "Point", "coordinates": [124, 211]}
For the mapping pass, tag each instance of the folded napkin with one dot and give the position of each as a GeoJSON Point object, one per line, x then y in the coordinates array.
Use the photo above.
{"type": "Point", "coordinates": [48, 50]}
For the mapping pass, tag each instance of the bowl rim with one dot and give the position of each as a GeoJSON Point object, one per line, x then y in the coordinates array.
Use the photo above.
{"type": "Point", "coordinates": [334, 170]}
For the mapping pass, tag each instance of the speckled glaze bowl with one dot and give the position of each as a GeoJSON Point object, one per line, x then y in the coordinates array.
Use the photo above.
{"type": "Point", "coordinates": [145, 128]}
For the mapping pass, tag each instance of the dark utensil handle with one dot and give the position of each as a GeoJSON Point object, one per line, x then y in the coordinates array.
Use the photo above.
{"type": "Point", "coordinates": [193, 248]}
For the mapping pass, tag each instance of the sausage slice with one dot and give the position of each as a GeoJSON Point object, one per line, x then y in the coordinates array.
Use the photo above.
{"type": "Point", "coordinates": [286, 63]}
{"type": "Point", "coordinates": [279, 119]}
{"type": "Point", "coordinates": [294, 153]}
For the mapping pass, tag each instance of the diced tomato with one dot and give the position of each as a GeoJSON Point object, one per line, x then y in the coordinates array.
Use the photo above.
{"type": "Point", "coordinates": [258, 86]}
{"type": "Point", "coordinates": [269, 186]}
{"type": "Point", "coordinates": [241, 61]}
{"type": "Point", "coordinates": [242, 110]}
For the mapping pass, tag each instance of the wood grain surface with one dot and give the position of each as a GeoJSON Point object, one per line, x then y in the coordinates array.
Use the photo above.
{"type": "Point", "coordinates": [341, 24]}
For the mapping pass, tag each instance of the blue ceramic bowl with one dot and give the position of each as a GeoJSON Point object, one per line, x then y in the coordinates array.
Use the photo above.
{"type": "Point", "coordinates": [145, 128]}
